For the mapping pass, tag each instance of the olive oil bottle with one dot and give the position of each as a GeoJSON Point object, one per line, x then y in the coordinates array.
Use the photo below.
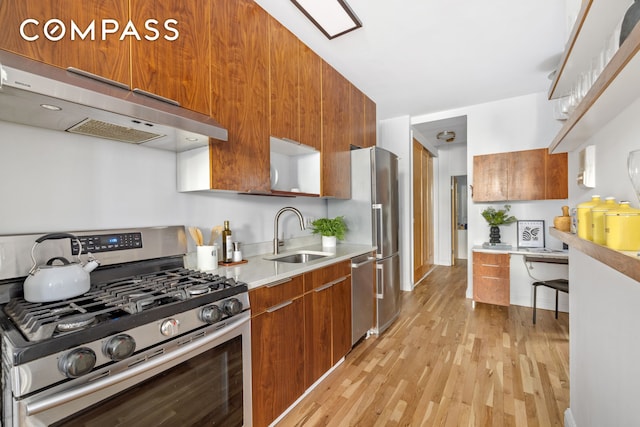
{"type": "Point", "coordinates": [227, 244]}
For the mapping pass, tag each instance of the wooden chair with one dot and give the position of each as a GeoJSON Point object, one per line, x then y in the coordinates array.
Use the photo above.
{"type": "Point", "coordinates": [560, 285]}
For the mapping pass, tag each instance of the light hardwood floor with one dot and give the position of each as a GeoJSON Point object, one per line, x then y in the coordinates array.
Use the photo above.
{"type": "Point", "coordinates": [444, 363]}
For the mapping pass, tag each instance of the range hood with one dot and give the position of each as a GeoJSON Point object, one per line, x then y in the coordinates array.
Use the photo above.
{"type": "Point", "coordinates": [37, 94]}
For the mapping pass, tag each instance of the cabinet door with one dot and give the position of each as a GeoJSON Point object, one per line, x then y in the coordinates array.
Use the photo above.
{"type": "Point", "coordinates": [490, 173]}
{"type": "Point", "coordinates": [341, 319]}
{"type": "Point", "coordinates": [317, 333]}
{"type": "Point", "coordinates": [283, 71]}
{"type": "Point", "coordinates": [107, 58]}
{"type": "Point", "coordinates": [336, 160]}
{"type": "Point", "coordinates": [557, 177]}
{"type": "Point", "coordinates": [175, 69]}
{"type": "Point", "coordinates": [240, 95]}
{"type": "Point", "coordinates": [356, 129]}
{"type": "Point", "coordinates": [526, 175]}
{"type": "Point", "coordinates": [277, 352]}
{"type": "Point", "coordinates": [310, 97]}
{"type": "Point", "coordinates": [370, 122]}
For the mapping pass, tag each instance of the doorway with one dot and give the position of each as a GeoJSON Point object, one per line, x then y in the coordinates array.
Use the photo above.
{"type": "Point", "coordinates": [458, 218]}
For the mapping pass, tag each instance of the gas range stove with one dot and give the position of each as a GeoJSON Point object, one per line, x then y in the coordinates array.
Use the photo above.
{"type": "Point", "coordinates": [141, 297]}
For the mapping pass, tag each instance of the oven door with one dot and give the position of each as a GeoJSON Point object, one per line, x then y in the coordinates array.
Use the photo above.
{"type": "Point", "coordinates": [200, 379]}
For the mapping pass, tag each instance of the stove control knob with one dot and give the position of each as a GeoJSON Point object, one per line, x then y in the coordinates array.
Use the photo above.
{"type": "Point", "coordinates": [77, 362]}
{"type": "Point", "coordinates": [169, 327]}
{"type": "Point", "coordinates": [211, 314]}
{"type": "Point", "coordinates": [232, 306]}
{"type": "Point", "coordinates": [119, 347]}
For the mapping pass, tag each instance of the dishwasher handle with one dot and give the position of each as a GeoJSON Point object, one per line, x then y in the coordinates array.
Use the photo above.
{"type": "Point", "coordinates": [359, 264]}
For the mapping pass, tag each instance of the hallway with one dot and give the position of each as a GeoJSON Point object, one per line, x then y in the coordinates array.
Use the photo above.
{"type": "Point", "coordinates": [444, 363]}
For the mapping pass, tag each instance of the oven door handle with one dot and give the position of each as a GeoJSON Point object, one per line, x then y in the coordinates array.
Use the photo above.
{"type": "Point", "coordinates": [197, 346]}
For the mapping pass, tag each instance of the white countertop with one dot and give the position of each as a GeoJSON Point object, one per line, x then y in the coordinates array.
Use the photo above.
{"type": "Point", "coordinates": [259, 271]}
{"type": "Point", "coordinates": [541, 252]}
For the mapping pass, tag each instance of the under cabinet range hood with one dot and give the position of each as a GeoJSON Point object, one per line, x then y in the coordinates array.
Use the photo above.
{"type": "Point", "coordinates": [37, 94]}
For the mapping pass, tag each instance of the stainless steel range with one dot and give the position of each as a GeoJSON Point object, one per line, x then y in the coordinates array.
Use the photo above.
{"type": "Point", "coordinates": [150, 343]}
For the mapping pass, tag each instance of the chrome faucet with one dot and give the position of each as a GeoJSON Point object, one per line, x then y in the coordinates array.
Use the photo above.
{"type": "Point", "coordinates": [276, 241]}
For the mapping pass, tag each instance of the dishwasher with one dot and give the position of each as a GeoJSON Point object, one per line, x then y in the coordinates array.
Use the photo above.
{"type": "Point", "coordinates": [362, 296]}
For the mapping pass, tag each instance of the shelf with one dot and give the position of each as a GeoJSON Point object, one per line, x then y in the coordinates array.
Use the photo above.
{"type": "Point", "coordinates": [616, 88]}
{"type": "Point", "coordinates": [594, 24]}
{"type": "Point", "coordinates": [627, 263]}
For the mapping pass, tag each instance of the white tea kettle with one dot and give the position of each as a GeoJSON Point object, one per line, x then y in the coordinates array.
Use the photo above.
{"type": "Point", "coordinates": [49, 282]}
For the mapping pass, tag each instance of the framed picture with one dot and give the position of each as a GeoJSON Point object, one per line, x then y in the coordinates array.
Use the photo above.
{"type": "Point", "coordinates": [531, 234]}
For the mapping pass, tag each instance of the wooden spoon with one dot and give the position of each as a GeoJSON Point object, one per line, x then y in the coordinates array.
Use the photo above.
{"type": "Point", "coordinates": [200, 238]}
{"type": "Point", "coordinates": [193, 231]}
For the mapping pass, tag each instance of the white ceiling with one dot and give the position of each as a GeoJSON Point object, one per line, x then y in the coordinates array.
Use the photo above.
{"type": "Point", "coordinates": [415, 57]}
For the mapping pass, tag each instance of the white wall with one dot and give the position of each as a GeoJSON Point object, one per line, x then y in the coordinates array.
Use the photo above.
{"type": "Point", "coordinates": [604, 318]}
{"type": "Point", "coordinates": [395, 136]}
{"type": "Point", "coordinates": [53, 181]}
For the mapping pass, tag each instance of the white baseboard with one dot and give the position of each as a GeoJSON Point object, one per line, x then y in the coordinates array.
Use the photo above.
{"type": "Point", "coordinates": [568, 419]}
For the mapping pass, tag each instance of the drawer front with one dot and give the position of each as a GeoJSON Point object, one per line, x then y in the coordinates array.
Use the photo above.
{"type": "Point", "coordinates": [491, 290]}
{"type": "Point", "coordinates": [275, 293]}
{"type": "Point", "coordinates": [491, 270]}
{"type": "Point", "coordinates": [485, 258]}
{"type": "Point", "coordinates": [322, 276]}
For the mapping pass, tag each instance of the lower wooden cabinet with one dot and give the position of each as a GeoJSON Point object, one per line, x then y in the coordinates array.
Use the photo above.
{"type": "Point", "coordinates": [327, 318]}
{"type": "Point", "coordinates": [300, 328]}
{"type": "Point", "coordinates": [491, 278]}
{"type": "Point", "coordinates": [277, 348]}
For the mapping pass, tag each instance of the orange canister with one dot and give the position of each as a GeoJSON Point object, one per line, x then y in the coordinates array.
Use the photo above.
{"type": "Point", "coordinates": [622, 228]}
{"type": "Point", "coordinates": [584, 217]}
{"type": "Point", "coordinates": [597, 219]}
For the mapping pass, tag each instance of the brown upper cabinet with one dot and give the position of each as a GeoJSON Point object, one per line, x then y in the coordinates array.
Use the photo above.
{"type": "Point", "coordinates": [240, 88]}
{"type": "Point", "coordinates": [336, 137]}
{"type": "Point", "coordinates": [520, 175]}
{"type": "Point", "coordinates": [108, 58]}
{"type": "Point", "coordinates": [295, 87]}
{"type": "Point", "coordinates": [370, 122]}
{"type": "Point", "coordinates": [174, 69]}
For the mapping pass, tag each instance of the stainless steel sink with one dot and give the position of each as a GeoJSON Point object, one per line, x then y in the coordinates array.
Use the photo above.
{"type": "Point", "coordinates": [299, 257]}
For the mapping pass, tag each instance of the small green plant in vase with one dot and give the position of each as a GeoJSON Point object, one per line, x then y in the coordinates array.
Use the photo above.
{"type": "Point", "coordinates": [331, 229]}
{"type": "Point", "coordinates": [495, 218]}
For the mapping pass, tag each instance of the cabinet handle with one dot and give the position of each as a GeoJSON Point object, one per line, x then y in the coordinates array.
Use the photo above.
{"type": "Point", "coordinates": [330, 284]}
{"type": "Point", "coordinates": [279, 306]}
{"type": "Point", "coordinates": [279, 282]}
{"type": "Point", "coordinates": [492, 278]}
{"type": "Point", "coordinates": [96, 77]}
{"type": "Point", "coordinates": [490, 265]}
{"type": "Point", "coordinates": [156, 96]}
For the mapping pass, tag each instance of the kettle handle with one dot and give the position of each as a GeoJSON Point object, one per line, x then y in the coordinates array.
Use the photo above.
{"type": "Point", "coordinates": [52, 236]}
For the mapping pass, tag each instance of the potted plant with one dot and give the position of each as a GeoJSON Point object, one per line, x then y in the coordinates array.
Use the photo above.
{"type": "Point", "coordinates": [331, 229]}
{"type": "Point", "coordinates": [495, 218]}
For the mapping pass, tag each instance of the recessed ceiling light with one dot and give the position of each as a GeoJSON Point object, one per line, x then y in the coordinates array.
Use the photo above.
{"type": "Point", "coordinates": [333, 17]}
{"type": "Point", "coordinates": [447, 136]}
{"type": "Point", "coordinates": [191, 139]}
{"type": "Point", "coordinates": [51, 107]}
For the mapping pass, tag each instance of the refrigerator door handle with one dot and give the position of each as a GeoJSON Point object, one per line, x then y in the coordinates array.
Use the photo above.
{"type": "Point", "coordinates": [380, 281]}
{"type": "Point", "coordinates": [378, 227]}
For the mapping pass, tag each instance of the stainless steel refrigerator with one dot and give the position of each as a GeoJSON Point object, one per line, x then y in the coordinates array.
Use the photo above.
{"type": "Point", "coordinates": [372, 217]}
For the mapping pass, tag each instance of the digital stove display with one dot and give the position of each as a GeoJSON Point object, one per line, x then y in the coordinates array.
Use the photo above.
{"type": "Point", "coordinates": [107, 242]}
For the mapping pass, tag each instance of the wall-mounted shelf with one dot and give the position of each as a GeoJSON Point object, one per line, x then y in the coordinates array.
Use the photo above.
{"type": "Point", "coordinates": [616, 87]}
{"type": "Point", "coordinates": [627, 263]}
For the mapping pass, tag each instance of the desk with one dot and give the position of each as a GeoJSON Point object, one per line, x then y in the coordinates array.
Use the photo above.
{"type": "Point", "coordinates": [503, 273]}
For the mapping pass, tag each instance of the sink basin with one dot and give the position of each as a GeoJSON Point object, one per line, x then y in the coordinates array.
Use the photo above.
{"type": "Point", "coordinates": [299, 257]}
